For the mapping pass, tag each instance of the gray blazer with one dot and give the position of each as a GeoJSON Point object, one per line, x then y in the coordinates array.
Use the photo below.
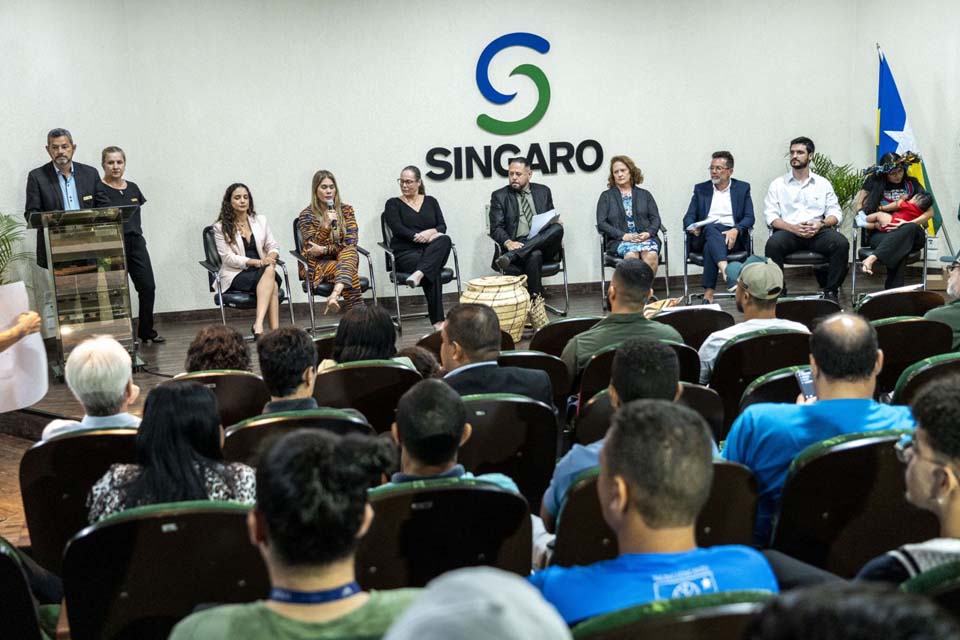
{"type": "Point", "coordinates": [612, 219]}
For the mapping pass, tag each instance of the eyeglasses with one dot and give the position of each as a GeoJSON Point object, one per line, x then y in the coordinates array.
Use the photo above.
{"type": "Point", "coordinates": [712, 168]}
{"type": "Point", "coordinates": [406, 183]}
{"type": "Point", "coordinates": [907, 450]}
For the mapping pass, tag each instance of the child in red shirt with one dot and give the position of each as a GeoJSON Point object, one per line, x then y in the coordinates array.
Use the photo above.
{"type": "Point", "coordinates": [908, 211]}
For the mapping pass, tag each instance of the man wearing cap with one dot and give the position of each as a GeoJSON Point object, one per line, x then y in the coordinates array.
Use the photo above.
{"type": "Point", "coordinates": [758, 285]}
{"type": "Point", "coordinates": [950, 312]}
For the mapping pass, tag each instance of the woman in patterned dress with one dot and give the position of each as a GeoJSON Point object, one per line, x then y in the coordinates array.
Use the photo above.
{"type": "Point", "coordinates": [627, 215]}
{"type": "Point", "coordinates": [329, 230]}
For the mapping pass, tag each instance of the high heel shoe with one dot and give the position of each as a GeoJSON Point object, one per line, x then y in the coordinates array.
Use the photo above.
{"type": "Point", "coordinates": [256, 336]}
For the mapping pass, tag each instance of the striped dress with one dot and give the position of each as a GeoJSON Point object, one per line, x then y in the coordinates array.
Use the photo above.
{"type": "Point", "coordinates": [340, 262]}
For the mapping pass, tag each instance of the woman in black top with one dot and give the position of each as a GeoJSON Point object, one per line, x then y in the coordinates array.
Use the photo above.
{"type": "Point", "coordinates": [419, 244]}
{"type": "Point", "coordinates": [121, 193]}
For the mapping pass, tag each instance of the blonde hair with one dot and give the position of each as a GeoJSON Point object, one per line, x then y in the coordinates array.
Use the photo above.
{"type": "Point", "coordinates": [319, 211]}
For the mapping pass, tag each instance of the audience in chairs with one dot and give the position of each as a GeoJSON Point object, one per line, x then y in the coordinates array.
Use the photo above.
{"type": "Point", "coordinates": [218, 347]}
{"type": "Point", "coordinates": [310, 514]}
{"type": "Point", "coordinates": [630, 288]}
{"type": "Point", "coordinates": [179, 457]}
{"type": "Point", "coordinates": [656, 468]}
{"type": "Point", "coordinates": [759, 284]}
{"type": "Point", "coordinates": [423, 361]}
{"type": "Point", "coordinates": [99, 373]}
{"type": "Point", "coordinates": [949, 313]}
{"type": "Point", "coordinates": [845, 361]}
{"type": "Point", "coordinates": [365, 332]}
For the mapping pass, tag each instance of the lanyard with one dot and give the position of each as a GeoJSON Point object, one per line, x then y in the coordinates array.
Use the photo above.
{"type": "Point", "coordinates": [314, 597]}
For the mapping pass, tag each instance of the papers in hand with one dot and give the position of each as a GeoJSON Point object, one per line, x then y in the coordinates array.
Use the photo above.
{"type": "Point", "coordinates": [539, 221]}
{"type": "Point", "coordinates": [697, 225]}
{"type": "Point", "coordinates": [23, 367]}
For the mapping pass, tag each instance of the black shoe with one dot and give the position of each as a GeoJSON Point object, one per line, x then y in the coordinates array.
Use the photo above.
{"type": "Point", "coordinates": [256, 336]}
{"type": "Point", "coordinates": [156, 339]}
{"type": "Point", "coordinates": [503, 262]}
{"type": "Point", "coordinates": [831, 295]}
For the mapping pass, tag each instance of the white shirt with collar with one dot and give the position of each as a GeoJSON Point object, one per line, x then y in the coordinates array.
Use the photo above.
{"type": "Point", "coordinates": [59, 427]}
{"type": "Point", "coordinates": [472, 365]}
{"type": "Point", "coordinates": [721, 209]}
{"type": "Point", "coordinates": [795, 202]}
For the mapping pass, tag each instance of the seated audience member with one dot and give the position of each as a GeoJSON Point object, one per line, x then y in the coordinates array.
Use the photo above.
{"type": "Point", "coordinates": [847, 611]}
{"type": "Point", "coordinates": [310, 515]}
{"type": "Point", "coordinates": [845, 361]}
{"type": "Point", "coordinates": [641, 370]}
{"type": "Point", "coordinates": [365, 332]}
{"type": "Point", "coordinates": [630, 288]}
{"type": "Point", "coordinates": [479, 603]}
{"type": "Point", "coordinates": [469, 350]}
{"type": "Point", "coordinates": [950, 313]}
{"type": "Point", "coordinates": [288, 362]}
{"type": "Point", "coordinates": [218, 347]}
{"type": "Point", "coordinates": [932, 457]}
{"type": "Point", "coordinates": [423, 361]}
{"type": "Point", "coordinates": [99, 373]}
{"type": "Point", "coordinates": [431, 427]}
{"type": "Point", "coordinates": [656, 468]}
{"type": "Point", "coordinates": [758, 287]}
{"type": "Point", "coordinates": [179, 457]}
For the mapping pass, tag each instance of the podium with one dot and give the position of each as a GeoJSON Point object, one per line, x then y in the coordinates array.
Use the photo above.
{"type": "Point", "coordinates": [88, 269]}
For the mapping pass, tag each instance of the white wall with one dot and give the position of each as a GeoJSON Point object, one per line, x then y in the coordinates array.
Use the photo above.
{"type": "Point", "coordinates": [202, 95]}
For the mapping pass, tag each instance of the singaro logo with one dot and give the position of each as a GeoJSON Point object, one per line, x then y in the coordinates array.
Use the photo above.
{"type": "Point", "coordinates": [533, 72]}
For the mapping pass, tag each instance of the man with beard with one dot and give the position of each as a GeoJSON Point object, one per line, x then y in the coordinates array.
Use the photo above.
{"type": "Point", "coordinates": [803, 214]}
{"type": "Point", "coordinates": [950, 312]}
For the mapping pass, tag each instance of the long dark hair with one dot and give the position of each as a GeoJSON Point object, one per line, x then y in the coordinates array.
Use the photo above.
{"type": "Point", "coordinates": [177, 441]}
{"type": "Point", "coordinates": [872, 202]}
{"type": "Point", "coordinates": [365, 333]}
{"type": "Point", "coordinates": [228, 218]}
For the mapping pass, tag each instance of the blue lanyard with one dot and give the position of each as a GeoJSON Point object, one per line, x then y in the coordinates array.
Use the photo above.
{"type": "Point", "coordinates": [314, 597]}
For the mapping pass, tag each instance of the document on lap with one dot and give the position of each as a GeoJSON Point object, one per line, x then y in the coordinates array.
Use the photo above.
{"type": "Point", "coordinates": [539, 221]}
{"type": "Point", "coordinates": [697, 225]}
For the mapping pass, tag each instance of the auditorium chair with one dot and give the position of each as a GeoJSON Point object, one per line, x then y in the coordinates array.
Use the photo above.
{"type": "Point", "coordinates": [862, 250]}
{"type": "Point", "coordinates": [55, 477]}
{"type": "Point", "coordinates": [432, 341]}
{"type": "Point", "coordinates": [245, 441]}
{"type": "Point", "coordinates": [425, 528]}
{"type": "Point", "coordinates": [694, 324]}
{"type": "Point", "coordinates": [608, 261]}
{"type": "Point", "coordinates": [324, 345]}
{"type": "Point", "coordinates": [240, 394]}
{"type": "Point", "coordinates": [807, 311]}
{"type": "Point", "coordinates": [940, 584]}
{"type": "Point", "coordinates": [372, 387]}
{"type": "Point", "coordinates": [901, 303]}
{"type": "Point", "coordinates": [554, 336]}
{"type": "Point", "coordinates": [596, 375]}
{"type": "Point", "coordinates": [843, 504]}
{"type": "Point", "coordinates": [235, 299]}
{"type": "Point", "coordinates": [137, 573]}
{"type": "Point", "coordinates": [397, 278]}
{"type": "Point", "coordinates": [513, 435]}
{"type": "Point", "coordinates": [718, 616]}
{"type": "Point", "coordinates": [20, 617]}
{"type": "Point", "coordinates": [777, 386]}
{"type": "Point", "coordinates": [706, 402]}
{"type": "Point", "coordinates": [696, 258]}
{"type": "Point", "coordinates": [905, 341]}
{"type": "Point", "coordinates": [324, 289]}
{"type": "Point", "coordinates": [552, 365]}
{"type": "Point", "coordinates": [918, 374]}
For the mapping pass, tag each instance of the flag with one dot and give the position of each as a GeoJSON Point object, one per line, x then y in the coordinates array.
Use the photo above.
{"type": "Point", "coordinates": [894, 133]}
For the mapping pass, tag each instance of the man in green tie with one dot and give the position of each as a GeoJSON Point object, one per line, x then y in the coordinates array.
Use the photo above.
{"type": "Point", "coordinates": [512, 209]}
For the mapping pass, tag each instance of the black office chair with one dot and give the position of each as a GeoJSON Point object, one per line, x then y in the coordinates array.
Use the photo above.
{"type": "Point", "coordinates": [608, 261]}
{"type": "Point", "coordinates": [696, 258]}
{"type": "Point", "coordinates": [862, 250]}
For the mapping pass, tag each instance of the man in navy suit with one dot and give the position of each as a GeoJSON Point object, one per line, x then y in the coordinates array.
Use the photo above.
{"type": "Point", "coordinates": [469, 351]}
{"type": "Point", "coordinates": [725, 205]}
{"type": "Point", "coordinates": [62, 185]}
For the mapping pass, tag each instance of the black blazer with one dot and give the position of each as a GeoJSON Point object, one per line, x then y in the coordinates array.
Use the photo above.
{"type": "Point", "coordinates": [43, 194]}
{"type": "Point", "coordinates": [612, 219]}
{"type": "Point", "coordinates": [505, 211]}
{"type": "Point", "coordinates": [493, 378]}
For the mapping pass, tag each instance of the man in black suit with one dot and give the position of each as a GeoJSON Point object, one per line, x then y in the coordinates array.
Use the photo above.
{"type": "Point", "coordinates": [511, 209]}
{"type": "Point", "coordinates": [471, 344]}
{"type": "Point", "coordinates": [62, 185]}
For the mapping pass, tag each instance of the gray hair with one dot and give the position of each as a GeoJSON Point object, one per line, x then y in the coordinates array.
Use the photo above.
{"type": "Point", "coordinates": [98, 372]}
{"type": "Point", "coordinates": [59, 133]}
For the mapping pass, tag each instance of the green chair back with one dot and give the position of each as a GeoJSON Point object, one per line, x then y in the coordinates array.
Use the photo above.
{"type": "Point", "coordinates": [240, 394]}
{"type": "Point", "coordinates": [905, 341]}
{"type": "Point", "coordinates": [776, 386]}
{"type": "Point", "coordinates": [920, 373]}
{"type": "Point", "coordinates": [695, 324]}
{"type": "Point", "coordinates": [373, 387]}
{"type": "Point", "coordinates": [553, 366]}
{"type": "Point", "coordinates": [902, 303]}
{"type": "Point", "coordinates": [707, 403]}
{"type": "Point", "coordinates": [432, 341]}
{"type": "Point", "coordinates": [554, 336]}
{"type": "Point", "coordinates": [806, 311]}
{"type": "Point", "coordinates": [593, 420]}
{"type": "Point", "coordinates": [942, 584]}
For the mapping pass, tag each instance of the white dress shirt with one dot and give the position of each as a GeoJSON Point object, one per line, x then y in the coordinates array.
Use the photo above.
{"type": "Point", "coordinates": [721, 209]}
{"type": "Point", "coordinates": [794, 201]}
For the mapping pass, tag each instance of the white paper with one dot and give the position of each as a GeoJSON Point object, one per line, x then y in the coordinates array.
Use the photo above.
{"type": "Point", "coordinates": [909, 287]}
{"type": "Point", "coordinates": [23, 367]}
{"type": "Point", "coordinates": [691, 309]}
{"type": "Point", "coordinates": [697, 225]}
{"type": "Point", "coordinates": [539, 221]}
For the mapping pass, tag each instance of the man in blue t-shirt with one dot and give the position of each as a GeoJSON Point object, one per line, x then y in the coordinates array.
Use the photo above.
{"type": "Point", "coordinates": [656, 468]}
{"type": "Point", "coordinates": [844, 361]}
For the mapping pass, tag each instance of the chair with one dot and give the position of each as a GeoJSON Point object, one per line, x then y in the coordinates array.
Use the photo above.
{"type": "Point", "coordinates": [920, 373]}
{"type": "Point", "coordinates": [941, 584]}
{"type": "Point", "coordinates": [806, 311]}
{"type": "Point", "coordinates": [20, 615]}
{"type": "Point", "coordinates": [609, 261]}
{"type": "Point", "coordinates": [694, 324]}
{"type": "Point", "coordinates": [696, 258]}
{"type": "Point", "coordinates": [776, 386]}
{"type": "Point", "coordinates": [899, 303]}
{"type": "Point", "coordinates": [235, 299]}
{"type": "Point", "coordinates": [596, 375]}
{"type": "Point", "coordinates": [559, 378]}
{"type": "Point", "coordinates": [818, 261]}
{"type": "Point", "coordinates": [425, 528]}
{"type": "Point", "coordinates": [324, 289]}
{"type": "Point", "coordinates": [718, 616]}
{"type": "Point", "coordinates": [139, 572]}
{"type": "Point", "coordinates": [324, 345]}
{"type": "Point", "coordinates": [55, 477]}
{"type": "Point", "coordinates": [843, 504]}
{"type": "Point", "coordinates": [447, 274]}
{"type": "Point", "coordinates": [706, 402]}
{"type": "Point", "coordinates": [432, 341]}
{"type": "Point", "coordinates": [372, 387]}
{"type": "Point", "coordinates": [748, 356]}
{"type": "Point", "coordinates": [593, 420]}
{"type": "Point", "coordinates": [905, 341]}
{"type": "Point", "coordinates": [689, 361]}
{"type": "Point", "coordinates": [862, 250]}
{"type": "Point", "coordinates": [554, 336]}
{"type": "Point", "coordinates": [513, 435]}
{"type": "Point", "coordinates": [245, 441]}
{"type": "Point", "coordinates": [240, 394]}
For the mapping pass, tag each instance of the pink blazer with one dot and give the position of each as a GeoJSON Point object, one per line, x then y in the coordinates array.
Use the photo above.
{"type": "Point", "coordinates": [232, 255]}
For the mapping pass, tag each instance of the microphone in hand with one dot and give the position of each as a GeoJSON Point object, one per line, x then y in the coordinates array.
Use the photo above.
{"type": "Point", "coordinates": [331, 212]}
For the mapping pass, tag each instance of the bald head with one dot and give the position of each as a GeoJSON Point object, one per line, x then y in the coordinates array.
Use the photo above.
{"type": "Point", "coordinates": [844, 346]}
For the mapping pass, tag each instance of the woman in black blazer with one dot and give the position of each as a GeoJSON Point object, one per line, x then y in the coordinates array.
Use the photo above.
{"type": "Point", "coordinates": [627, 215]}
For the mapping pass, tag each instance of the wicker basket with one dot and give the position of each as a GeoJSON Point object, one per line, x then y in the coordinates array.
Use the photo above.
{"type": "Point", "coordinates": [507, 295]}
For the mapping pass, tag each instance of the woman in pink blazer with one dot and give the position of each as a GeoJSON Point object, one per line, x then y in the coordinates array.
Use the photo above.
{"type": "Point", "coordinates": [249, 254]}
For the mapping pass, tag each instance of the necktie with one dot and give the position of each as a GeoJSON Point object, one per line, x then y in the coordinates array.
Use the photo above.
{"type": "Point", "coordinates": [525, 208]}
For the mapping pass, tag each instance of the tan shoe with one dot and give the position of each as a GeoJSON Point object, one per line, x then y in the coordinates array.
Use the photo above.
{"type": "Point", "coordinates": [538, 313]}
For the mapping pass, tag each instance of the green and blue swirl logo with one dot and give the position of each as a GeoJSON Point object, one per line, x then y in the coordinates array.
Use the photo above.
{"type": "Point", "coordinates": [533, 72]}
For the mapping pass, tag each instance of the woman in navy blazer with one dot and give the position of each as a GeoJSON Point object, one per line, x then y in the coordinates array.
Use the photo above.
{"type": "Point", "coordinates": [627, 215]}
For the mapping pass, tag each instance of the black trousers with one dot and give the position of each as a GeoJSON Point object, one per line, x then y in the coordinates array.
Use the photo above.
{"type": "Point", "coordinates": [529, 259]}
{"type": "Point", "coordinates": [829, 242]}
{"type": "Point", "coordinates": [430, 259]}
{"type": "Point", "coordinates": [893, 247]}
{"type": "Point", "coordinates": [141, 272]}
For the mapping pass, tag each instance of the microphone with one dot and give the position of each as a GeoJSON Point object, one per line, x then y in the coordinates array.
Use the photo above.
{"type": "Point", "coordinates": [333, 221]}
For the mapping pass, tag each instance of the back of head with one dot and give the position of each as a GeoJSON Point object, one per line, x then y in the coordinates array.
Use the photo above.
{"type": "Point", "coordinates": [844, 346]}
{"type": "Point", "coordinates": [312, 493]}
{"type": "Point", "coordinates": [98, 371]}
{"type": "Point", "coordinates": [423, 361]}
{"type": "Point", "coordinates": [761, 283]}
{"type": "Point", "coordinates": [476, 328]}
{"type": "Point", "coordinates": [851, 611]}
{"type": "Point", "coordinates": [285, 353]}
{"type": "Point", "coordinates": [663, 452]}
{"type": "Point", "coordinates": [937, 411]}
{"type": "Point", "coordinates": [215, 347]}
{"type": "Point", "coordinates": [924, 200]}
{"type": "Point", "coordinates": [645, 369]}
{"type": "Point", "coordinates": [430, 421]}
{"type": "Point", "coordinates": [633, 280]}
{"type": "Point", "coordinates": [365, 332]}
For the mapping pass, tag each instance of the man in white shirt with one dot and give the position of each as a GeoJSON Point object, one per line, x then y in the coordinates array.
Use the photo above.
{"type": "Point", "coordinates": [758, 286]}
{"type": "Point", "coordinates": [803, 214]}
